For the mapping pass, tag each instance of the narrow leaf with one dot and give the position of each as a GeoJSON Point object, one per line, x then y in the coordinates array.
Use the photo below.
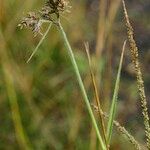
{"type": "Point", "coordinates": [40, 42]}
{"type": "Point", "coordinates": [97, 99]}
{"type": "Point", "coordinates": [114, 100]}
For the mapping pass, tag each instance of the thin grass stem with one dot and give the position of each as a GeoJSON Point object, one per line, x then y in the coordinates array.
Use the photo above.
{"type": "Point", "coordinates": [40, 42]}
{"type": "Point", "coordinates": [76, 69]}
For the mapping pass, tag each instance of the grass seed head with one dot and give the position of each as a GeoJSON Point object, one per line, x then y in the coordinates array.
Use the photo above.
{"type": "Point", "coordinates": [140, 82]}
{"type": "Point", "coordinates": [50, 12]}
{"type": "Point", "coordinates": [32, 21]}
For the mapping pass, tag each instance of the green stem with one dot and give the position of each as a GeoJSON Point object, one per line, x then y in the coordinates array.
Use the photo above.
{"type": "Point", "coordinates": [41, 41]}
{"type": "Point", "coordinates": [76, 69]}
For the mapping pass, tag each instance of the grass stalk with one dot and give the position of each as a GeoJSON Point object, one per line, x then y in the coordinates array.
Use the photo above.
{"type": "Point", "coordinates": [76, 69]}
{"type": "Point", "coordinates": [140, 82]}
{"type": "Point", "coordinates": [114, 100]}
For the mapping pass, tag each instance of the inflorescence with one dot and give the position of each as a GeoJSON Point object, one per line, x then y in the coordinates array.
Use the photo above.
{"type": "Point", "coordinates": [50, 12]}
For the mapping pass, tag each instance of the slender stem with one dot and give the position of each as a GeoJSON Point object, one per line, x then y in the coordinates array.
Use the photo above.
{"type": "Point", "coordinates": [96, 95]}
{"type": "Point", "coordinates": [76, 69]}
{"type": "Point", "coordinates": [40, 42]}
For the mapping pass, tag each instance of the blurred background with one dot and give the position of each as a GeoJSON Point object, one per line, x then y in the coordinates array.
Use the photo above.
{"type": "Point", "coordinates": [41, 106]}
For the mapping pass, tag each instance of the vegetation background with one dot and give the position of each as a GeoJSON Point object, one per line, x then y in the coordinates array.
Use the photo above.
{"type": "Point", "coordinates": [45, 92]}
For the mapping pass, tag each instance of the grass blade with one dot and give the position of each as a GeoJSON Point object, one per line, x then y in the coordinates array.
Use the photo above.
{"type": "Point", "coordinates": [40, 42]}
{"type": "Point", "coordinates": [98, 103]}
{"type": "Point", "coordinates": [114, 100]}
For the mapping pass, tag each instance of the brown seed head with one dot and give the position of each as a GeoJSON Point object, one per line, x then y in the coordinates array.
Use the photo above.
{"type": "Point", "coordinates": [50, 12]}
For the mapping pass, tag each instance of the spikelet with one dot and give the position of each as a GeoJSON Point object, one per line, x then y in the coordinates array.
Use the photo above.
{"type": "Point", "coordinates": [56, 7]}
{"type": "Point", "coordinates": [32, 21]}
{"type": "Point", "coordinates": [124, 132]}
{"type": "Point", "coordinates": [50, 12]}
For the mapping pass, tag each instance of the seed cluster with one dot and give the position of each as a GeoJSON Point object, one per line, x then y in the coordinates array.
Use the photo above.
{"type": "Point", "coordinates": [140, 82]}
{"type": "Point", "coordinates": [50, 12]}
{"type": "Point", "coordinates": [56, 6]}
{"type": "Point", "coordinates": [33, 22]}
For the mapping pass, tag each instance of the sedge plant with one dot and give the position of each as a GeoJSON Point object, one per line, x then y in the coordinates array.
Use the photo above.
{"type": "Point", "coordinates": [50, 14]}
